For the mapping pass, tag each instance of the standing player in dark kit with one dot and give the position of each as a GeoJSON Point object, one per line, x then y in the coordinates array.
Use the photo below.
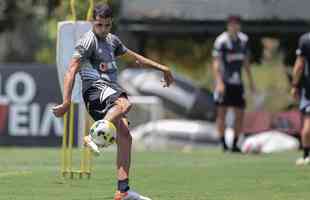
{"type": "Point", "coordinates": [230, 54]}
{"type": "Point", "coordinates": [94, 59]}
{"type": "Point", "coordinates": [301, 91]}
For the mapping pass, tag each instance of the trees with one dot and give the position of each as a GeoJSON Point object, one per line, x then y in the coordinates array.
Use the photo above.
{"type": "Point", "coordinates": [28, 28]}
{"type": "Point", "coordinates": [20, 28]}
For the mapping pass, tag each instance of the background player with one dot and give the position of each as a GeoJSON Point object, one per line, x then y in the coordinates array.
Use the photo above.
{"type": "Point", "coordinates": [231, 53]}
{"type": "Point", "coordinates": [301, 91]}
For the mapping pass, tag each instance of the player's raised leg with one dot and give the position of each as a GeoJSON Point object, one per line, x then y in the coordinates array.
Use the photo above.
{"type": "Point", "coordinates": [117, 110]}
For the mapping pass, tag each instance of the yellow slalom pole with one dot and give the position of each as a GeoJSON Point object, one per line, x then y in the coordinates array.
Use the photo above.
{"type": "Point", "coordinates": [88, 153]}
{"type": "Point", "coordinates": [71, 119]}
{"type": "Point", "coordinates": [90, 10]}
{"type": "Point", "coordinates": [64, 147]}
{"type": "Point", "coordinates": [71, 132]}
{"type": "Point", "coordinates": [84, 149]}
{"type": "Point", "coordinates": [72, 6]}
{"type": "Point", "coordinates": [86, 156]}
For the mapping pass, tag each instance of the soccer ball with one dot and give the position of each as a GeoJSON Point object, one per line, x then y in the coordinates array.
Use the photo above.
{"type": "Point", "coordinates": [103, 133]}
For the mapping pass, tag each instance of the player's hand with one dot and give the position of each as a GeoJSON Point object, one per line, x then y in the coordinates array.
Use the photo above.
{"type": "Point", "coordinates": [168, 78]}
{"type": "Point", "coordinates": [138, 63]}
{"type": "Point", "coordinates": [61, 109]}
{"type": "Point", "coordinates": [295, 93]}
{"type": "Point", "coordinates": [220, 87]}
{"type": "Point", "coordinates": [253, 89]}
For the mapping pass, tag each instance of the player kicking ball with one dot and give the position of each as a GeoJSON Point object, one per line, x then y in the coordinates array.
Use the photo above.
{"type": "Point", "coordinates": [102, 134]}
{"type": "Point", "coordinates": [94, 59]}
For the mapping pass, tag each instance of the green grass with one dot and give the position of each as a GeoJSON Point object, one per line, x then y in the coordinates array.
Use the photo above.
{"type": "Point", "coordinates": [204, 174]}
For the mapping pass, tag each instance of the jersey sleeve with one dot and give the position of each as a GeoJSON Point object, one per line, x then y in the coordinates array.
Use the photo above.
{"type": "Point", "coordinates": [217, 48]}
{"type": "Point", "coordinates": [84, 48]}
{"type": "Point", "coordinates": [301, 46]}
{"type": "Point", "coordinates": [120, 48]}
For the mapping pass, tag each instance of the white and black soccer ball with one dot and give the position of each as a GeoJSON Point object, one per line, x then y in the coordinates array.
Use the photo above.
{"type": "Point", "coordinates": [103, 133]}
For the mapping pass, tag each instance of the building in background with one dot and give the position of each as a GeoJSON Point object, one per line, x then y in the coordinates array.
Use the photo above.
{"type": "Point", "coordinates": [145, 19]}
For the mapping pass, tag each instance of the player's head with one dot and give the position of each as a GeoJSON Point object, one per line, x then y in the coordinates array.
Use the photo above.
{"type": "Point", "coordinates": [102, 19]}
{"type": "Point", "coordinates": [234, 24]}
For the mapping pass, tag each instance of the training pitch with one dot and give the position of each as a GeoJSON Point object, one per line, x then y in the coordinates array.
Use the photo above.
{"type": "Point", "coordinates": [208, 174]}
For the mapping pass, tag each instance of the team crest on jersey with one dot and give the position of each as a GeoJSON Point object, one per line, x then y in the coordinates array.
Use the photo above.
{"type": "Point", "coordinates": [103, 67]}
{"type": "Point", "coordinates": [231, 57]}
{"type": "Point", "coordinates": [307, 109]}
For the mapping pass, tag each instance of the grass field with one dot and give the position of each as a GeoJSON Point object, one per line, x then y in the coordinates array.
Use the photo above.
{"type": "Point", "coordinates": [208, 174]}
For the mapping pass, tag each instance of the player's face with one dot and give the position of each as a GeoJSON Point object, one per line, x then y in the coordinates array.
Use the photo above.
{"type": "Point", "coordinates": [234, 27]}
{"type": "Point", "coordinates": [102, 26]}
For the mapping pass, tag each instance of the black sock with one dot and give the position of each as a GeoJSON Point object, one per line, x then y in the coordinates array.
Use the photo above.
{"type": "Point", "coordinates": [122, 185]}
{"type": "Point", "coordinates": [306, 152]}
{"type": "Point", "coordinates": [235, 142]}
{"type": "Point", "coordinates": [224, 143]}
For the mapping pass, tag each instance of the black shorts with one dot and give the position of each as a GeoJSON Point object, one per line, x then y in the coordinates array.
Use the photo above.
{"type": "Point", "coordinates": [233, 97]}
{"type": "Point", "coordinates": [100, 97]}
{"type": "Point", "coordinates": [305, 111]}
{"type": "Point", "coordinates": [304, 102]}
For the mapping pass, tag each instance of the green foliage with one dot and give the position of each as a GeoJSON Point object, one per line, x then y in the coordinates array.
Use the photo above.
{"type": "Point", "coordinates": [272, 81]}
{"type": "Point", "coordinates": [192, 59]}
{"type": "Point", "coordinates": [47, 52]}
{"type": "Point", "coordinates": [19, 28]}
{"type": "Point", "coordinates": [187, 56]}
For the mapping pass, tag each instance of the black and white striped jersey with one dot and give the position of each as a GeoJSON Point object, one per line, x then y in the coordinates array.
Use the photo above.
{"type": "Point", "coordinates": [304, 51]}
{"type": "Point", "coordinates": [304, 84]}
{"type": "Point", "coordinates": [232, 54]}
{"type": "Point", "coordinates": [98, 57]}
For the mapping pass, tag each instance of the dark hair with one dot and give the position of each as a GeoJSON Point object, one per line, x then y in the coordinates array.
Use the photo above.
{"type": "Point", "coordinates": [234, 18]}
{"type": "Point", "coordinates": [102, 10]}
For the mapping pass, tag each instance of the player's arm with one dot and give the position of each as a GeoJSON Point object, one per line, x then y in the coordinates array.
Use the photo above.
{"type": "Point", "coordinates": [247, 67]}
{"type": "Point", "coordinates": [297, 70]}
{"type": "Point", "coordinates": [145, 62]}
{"type": "Point", "coordinates": [296, 75]}
{"type": "Point", "coordinates": [299, 66]}
{"type": "Point", "coordinates": [217, 54]}
{"type": "Point", "coordinates": [219, 87]}
{"type": "Point", "coordinates": [69, 78]}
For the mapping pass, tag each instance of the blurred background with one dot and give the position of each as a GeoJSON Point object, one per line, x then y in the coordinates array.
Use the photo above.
{"type": "Point", "coordinates": [178, 33]}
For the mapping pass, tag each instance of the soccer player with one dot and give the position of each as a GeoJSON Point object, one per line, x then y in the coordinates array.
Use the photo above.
{"type": "Point", "coordinates": [94, 59]}
{"type": "Point", "coordinates": [230, 55]}
{"type": "Point", "coordinates": [301, 91]}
